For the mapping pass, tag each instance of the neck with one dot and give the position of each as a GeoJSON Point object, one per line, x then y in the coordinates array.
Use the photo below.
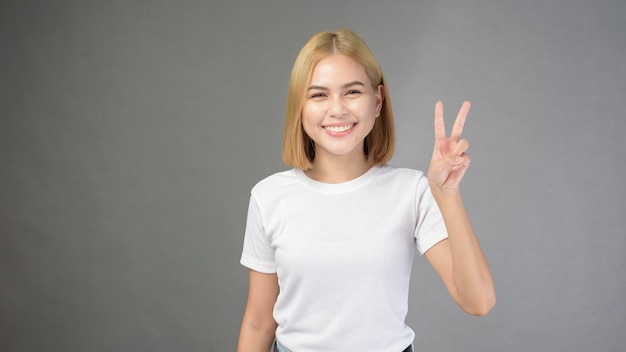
{"type": "Point", "coordinates": [338, 169]}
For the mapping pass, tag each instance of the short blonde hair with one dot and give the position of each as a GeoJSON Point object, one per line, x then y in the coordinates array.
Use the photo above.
{"type": "Point", "coordinates": [298, 149]}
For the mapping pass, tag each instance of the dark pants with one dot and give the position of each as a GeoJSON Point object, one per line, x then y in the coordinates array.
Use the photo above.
{"type": "Point", "coordinates": [277, 347]}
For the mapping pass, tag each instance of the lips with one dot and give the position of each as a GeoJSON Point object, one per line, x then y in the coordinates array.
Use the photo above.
{"type": "Point", "coordinates": [339, 128]}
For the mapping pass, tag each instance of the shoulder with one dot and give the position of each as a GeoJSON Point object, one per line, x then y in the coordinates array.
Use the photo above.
{"type": "Point", "coordinates": [400, 174]}
{"type": "Point", "coordinates": [274, 182]}
{"type": "Point", "coordinates": [401, 181]}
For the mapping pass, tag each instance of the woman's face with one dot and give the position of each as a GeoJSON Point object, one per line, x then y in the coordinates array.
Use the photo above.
{"type": "Point", "coordinates": [340, 107]}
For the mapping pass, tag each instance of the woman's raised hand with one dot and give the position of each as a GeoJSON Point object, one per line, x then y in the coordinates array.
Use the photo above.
{"type": "Point", "coordinates": [449, 161]}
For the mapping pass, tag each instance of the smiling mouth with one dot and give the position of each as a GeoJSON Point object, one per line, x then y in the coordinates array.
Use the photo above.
{"type": "Point", "coordinates": [338, 129]}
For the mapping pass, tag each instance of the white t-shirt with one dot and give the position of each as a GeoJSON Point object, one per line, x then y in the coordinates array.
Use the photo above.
{"type": "Point", "coordinates": [343, 255]}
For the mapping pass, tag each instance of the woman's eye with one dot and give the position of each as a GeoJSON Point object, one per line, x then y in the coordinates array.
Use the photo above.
{"type": "Point", "coordinates": [352, 92]}
{"type": "Point", "coordinates": [317, 95]}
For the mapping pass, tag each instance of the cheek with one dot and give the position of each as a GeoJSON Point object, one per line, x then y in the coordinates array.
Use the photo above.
{"type": "Point", "coordinates": [308, 120]}
{"type": "Point", "coordinates": [365, 110]}
{"type": "Point", "coordinates": [311, 113]}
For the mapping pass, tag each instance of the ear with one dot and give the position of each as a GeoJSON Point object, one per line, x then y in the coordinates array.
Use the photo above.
{"type": "Point", "coordinates": [379, 99]}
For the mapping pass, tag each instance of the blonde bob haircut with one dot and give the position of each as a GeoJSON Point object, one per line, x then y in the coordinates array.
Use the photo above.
{"type": "Point", "coordinates": [298, 148]}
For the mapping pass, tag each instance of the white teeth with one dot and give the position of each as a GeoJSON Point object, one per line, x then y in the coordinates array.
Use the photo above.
{"type": "Point", "coordinates": [338, 129]}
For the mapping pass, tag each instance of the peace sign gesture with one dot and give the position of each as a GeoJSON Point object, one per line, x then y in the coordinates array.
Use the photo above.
{"type": "Point", "coordinates": [449, 161]}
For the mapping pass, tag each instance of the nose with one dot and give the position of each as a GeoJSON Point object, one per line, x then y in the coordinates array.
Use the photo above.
{"type": "Point", "coordinates": [337, 107]}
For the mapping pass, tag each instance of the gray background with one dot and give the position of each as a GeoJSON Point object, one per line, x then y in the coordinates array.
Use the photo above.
{"type": "Point", "coordinates": [132, 131]}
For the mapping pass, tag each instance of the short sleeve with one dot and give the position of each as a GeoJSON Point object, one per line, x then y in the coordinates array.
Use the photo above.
{"type": "Point", "coordinates": [258, 254]}
{"type": "Point", "coordinates": [430, 228]}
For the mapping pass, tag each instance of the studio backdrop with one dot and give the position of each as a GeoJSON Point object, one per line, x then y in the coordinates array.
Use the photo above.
{"type": "Point", "coordinates": [131, 133]}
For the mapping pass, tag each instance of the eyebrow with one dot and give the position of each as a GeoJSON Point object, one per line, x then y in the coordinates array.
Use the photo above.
{"type": "Point", "coordinates": [347, 85]}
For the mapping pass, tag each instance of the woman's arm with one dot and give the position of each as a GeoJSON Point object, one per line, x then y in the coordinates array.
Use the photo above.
{"type": "Point", "coordinates": [258, 325]}
{"type": "Point", "coordinates": [459, 260]}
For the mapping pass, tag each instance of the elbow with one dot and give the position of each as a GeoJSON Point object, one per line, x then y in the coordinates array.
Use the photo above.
{"type": "Point", "coordinates": [480, 311]}
{"type": "Point", "coordinates": [481, 307]}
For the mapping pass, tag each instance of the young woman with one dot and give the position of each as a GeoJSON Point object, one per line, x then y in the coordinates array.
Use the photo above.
{"type": "Point", "coordinates": [330, 243]}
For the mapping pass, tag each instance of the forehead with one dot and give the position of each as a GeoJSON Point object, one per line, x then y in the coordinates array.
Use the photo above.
{"type": "Point", "coordinates": [338, 68]}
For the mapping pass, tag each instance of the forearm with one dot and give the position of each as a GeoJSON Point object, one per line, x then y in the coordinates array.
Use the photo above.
{"type": "Point", "coordinates": [473, 282]}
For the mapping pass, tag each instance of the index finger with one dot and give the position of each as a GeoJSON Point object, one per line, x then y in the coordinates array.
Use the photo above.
{"type": "Point", "coordinates": [457, 129]}
{"type": "Point", "coordinates": [440, 127]}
